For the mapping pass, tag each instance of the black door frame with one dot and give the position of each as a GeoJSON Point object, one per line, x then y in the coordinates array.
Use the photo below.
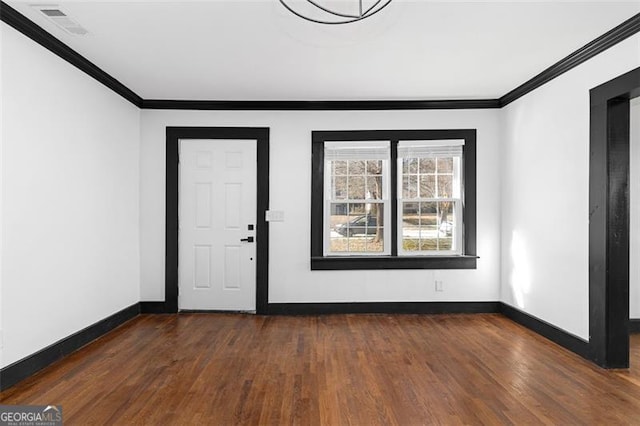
{"type": "Point", "coordinates": [609, 165]}
{"type": "Point", "coordinates": [173, 135]}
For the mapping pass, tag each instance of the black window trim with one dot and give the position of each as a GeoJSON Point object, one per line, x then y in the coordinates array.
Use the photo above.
{"type": "Point", "coordinates": [468, 260]}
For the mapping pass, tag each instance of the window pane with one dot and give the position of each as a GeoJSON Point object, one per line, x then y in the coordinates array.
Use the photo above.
{"type": "Point", "coordinates": [410, 226]}
{"type": "Point", "coordinates": [429, 223]}
{"type": "Point", "coordinates": [356, 209]}
{"type": "Point", "coordinates": [356, 188]}
{"type": "Point", "coordinates": [427, 186]}
{"type": "Point", "coordinates": [356, 167]}
{"type": "Point", "coordinates": [413, 165]}
{"type": "Point", "coordinates": [427, 165]}
{"type": "Point", "coordinates": [374, 167]}
{"type": "Point", "coordinates": [429, 213]}
{"type": "Point", "coordinates": [445, 188]}
{"type": "Point", "coordinates": [339, 187]}
{"type": "Point", "coordinates": [359, 231]}
{"type": "Point", "coordinates": [374, 187]}
{"type": "Point", "coordinates": [445, 244]}
{"type": "Point", "coordinates": [445, 165]}
{"type": "Point", "coordinates": [339, 212]}
{"type": "Point", "coordinates": [339, 167]}
{"type": "Point", "coordinates": [410, 186]}
{"type": "Point", "coordinates": [409, 165]}
{"type": "Point", "coordinates": [446, 225]}
{"type": "Point", "coordinates": [339, 215]}
{"type": "Point", "coordinates": [445, 210]}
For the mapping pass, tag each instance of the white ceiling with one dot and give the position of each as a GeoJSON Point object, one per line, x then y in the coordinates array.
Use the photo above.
{"type": "Point", "coordinates": [257, 50]}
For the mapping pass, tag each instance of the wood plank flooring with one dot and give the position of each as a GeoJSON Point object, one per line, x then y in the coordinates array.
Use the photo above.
{"type": "Point", "coordinates": [225, 369]}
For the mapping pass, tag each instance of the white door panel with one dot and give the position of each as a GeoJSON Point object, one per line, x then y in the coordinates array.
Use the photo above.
{"type": "Point", "coordinates": [217, 206]}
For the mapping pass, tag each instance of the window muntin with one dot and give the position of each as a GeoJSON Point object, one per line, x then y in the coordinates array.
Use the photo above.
{"type": "Point", "coordinates": [430, 197]}
{"type": "Point", "coordinates": [356, 200]}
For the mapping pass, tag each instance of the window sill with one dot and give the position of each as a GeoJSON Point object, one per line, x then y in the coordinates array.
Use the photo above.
{"type": "Point", "coordinates": [333, 263]}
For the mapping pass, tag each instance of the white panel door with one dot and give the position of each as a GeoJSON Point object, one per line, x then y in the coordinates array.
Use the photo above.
{"type": "Point", "coordinates": [217, 217]}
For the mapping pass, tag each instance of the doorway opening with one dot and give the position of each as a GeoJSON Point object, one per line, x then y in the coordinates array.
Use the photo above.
{"type": "Point", "coordinates": [609, 233]}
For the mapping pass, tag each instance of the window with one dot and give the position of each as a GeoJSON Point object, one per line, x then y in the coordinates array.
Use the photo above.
{"type": "Point", "coordinates": [401, 199]}
{"type": "Point", "coordinates": [356, 198]}
{"type": "Point", "coordinates": [430, 197]}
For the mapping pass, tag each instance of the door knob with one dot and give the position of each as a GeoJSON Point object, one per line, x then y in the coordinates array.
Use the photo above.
{"type": "Point", "coordinates": [248, 239]}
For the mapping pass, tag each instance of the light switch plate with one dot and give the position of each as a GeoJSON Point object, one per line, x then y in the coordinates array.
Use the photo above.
{"type": "Point", "coordinates": [274, 216]}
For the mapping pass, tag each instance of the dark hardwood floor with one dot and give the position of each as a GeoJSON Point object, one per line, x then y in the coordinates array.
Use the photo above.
{"type": "Point", "coordinates": [220, 369]}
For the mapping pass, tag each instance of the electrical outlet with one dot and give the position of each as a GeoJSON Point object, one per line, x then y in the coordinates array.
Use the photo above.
{"type": "Point", "coordinates": [439, 286]}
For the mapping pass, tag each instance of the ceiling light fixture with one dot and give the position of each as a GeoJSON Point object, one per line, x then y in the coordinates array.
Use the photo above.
{"type": "Point", "coordinates": [350, 11]}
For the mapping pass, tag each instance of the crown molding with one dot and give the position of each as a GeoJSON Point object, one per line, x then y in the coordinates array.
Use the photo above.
{"type": "Point", "coordinates": [15, 19]}
{"type": "Point", "coordinates": [27, 27]}
{"type": "Point", "coordinates": [623, 31]}
{"type": "Point", "coordinates": [320, 105]}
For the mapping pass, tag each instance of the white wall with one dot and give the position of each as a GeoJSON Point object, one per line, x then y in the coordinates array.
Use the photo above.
{"type": "Point", "coordinates": [545, 196]}
{"type": "Point", "coordinates": [70, 167]}
{"type": "Point", "coordinates": [290, 277]}
{"type": "Point", "coordinates": [634, 249]}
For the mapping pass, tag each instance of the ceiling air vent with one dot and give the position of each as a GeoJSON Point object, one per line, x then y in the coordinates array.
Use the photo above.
{"type": "Point", "coordinates": [58, 17]}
